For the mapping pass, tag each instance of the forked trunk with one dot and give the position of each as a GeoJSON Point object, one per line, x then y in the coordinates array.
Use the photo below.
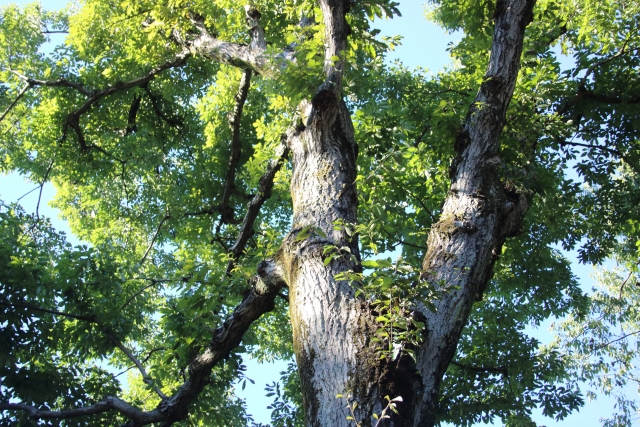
{"type": "Point", "coordinates": [331, 327]}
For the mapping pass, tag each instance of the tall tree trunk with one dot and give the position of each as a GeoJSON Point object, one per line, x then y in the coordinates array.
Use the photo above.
{"type": "Point", "coordinates": [331, 327]}
{"type": "Point", "coordinates": [477, 215]}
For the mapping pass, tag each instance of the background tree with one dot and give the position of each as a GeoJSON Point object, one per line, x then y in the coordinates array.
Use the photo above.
{"type": "Point", "coordinates": [191, 141]}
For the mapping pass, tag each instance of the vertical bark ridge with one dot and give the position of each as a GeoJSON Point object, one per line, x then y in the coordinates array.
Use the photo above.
{"type": "Point", "coordinates": [325, 314]}
{"type": "Point", "coordinates": [464, 244]}
{"type": "Point", "coordinates": [324, 311]}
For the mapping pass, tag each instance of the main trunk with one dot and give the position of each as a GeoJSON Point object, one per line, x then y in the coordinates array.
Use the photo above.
{"type": "Point", "coordinates": [331, 327]}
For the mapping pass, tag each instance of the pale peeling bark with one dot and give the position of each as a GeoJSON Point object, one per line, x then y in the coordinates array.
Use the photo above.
{"type": "Point", "coordinates": [253, 57]}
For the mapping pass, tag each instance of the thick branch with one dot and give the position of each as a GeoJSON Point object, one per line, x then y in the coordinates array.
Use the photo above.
{"type": "Point", "coordinates": [336, 31]}
{"type": "Point", "coordinates": [177, 61]}
{"type": "Point", "coordinates": [464, 244]}
{"type": "Point", "coordinates": [259, 301]}
{"type": "Point", "coordinates": [252, 57]}
{"type": "Point", "coordinates": [175, 408]}
{"type": "Point", "coordinates": [109, 403]}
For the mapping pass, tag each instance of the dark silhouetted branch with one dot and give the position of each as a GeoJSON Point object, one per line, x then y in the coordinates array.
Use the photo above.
{"type": "Point", "coordinates": [265, 186]}
{"type": "Point", "coordinates": [153, 239]}
{"type": "Point", "coordinates": [499, 369]}
{"type": "Point", "coordinates": [227, 214]}
{"type": "Point", "coordinates": [91, 319]}
{"type": "Point", "coordinates": [24, 89]}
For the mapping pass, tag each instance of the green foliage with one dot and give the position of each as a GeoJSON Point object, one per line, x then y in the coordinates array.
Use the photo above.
{"type": "Point", "coordinates": [353, 405]}
{"type": "Point", "coordinates": [153, 272]}
{"type": "Point", "coordinates": [286, 409]}
{"type": "Point", "coordinates": [390, 288]}
{"type": "Point", "coordinates": [602, 342]}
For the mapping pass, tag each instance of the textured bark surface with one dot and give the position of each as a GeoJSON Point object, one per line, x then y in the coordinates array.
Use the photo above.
{"type": "Point", "coordinates": [331, 327]}
{"type": "Point", "coordinates": [477, 216]}
{"type": "Point", "coordinates": [329, 323]}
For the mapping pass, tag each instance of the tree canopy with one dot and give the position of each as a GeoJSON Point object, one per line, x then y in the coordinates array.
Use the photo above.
{"type": "Point", "coordinates": [172, 132]}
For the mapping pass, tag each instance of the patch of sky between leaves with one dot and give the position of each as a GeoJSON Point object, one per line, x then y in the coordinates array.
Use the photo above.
{"type": "Point", "coordinates": [423, 45]}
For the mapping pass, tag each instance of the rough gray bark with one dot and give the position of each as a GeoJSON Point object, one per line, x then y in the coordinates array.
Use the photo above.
{"type": "Point", "coordinates": [331, 327]}
{"type": "Point", "coordinates": [477, 215]}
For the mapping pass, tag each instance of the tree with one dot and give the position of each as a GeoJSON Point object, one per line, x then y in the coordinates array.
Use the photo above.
{"type": "Point", "coordinates": [603, 342]}
{"type": "Point", "coordinates": [191, 141]}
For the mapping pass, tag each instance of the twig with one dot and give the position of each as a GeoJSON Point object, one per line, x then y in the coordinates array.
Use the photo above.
{"type": "Point", "coordinates": [15, 101]}
{"type": "Point", "coordinates": [27, 193]}
{"type": "Point", "coordinates": [44, 180]}
{"type": "Point", "coordinates": [91, 319]}
{"type": "Point", "coordinates": [145, 377]}
{"type": "Point", "coordinates": [153, 240]}
{"type": "Point", "coordinates": [612, 151]}
{"type": "Point", "coordinates": [601, 346]}
{"type": "Point", "coordinates": [500, 369]}
{"type": "Point", "coordinates": [624, 283]}
{"type": "Point", "coordinates": [153, 283]}
{"type": "Point", "coordinates": [142, 361]}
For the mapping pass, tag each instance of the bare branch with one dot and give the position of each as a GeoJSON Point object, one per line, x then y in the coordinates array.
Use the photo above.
{"type": "Point", "coordinates": [91, 319]}
{"type": "Point", "coordinates": [500, 369]}
{"type": "Point", "coordinates": [225, 338]}
{"type": "Point", "coordinates": [609, 150]}
{"type": "Point", "coordinates": [259, 301]}
{"type": "Point", "coordinates": [15, 101]}
{"type": "Point", "coordinates": [134, 296]}
{"type": "Point", "coordinates": [153, 239]}
{"type": "Point", "coordinates": [234, 157]}
{"type": "Point", "coordinates": [145, 377]}
{"type": "Point", "coordinates": [27, 193]}
{"type": "Point", "coordinates": [109, 403]}
{"type": "Point", "coordinates": [172, 121]}
{"type": "Point", "coordinates": [177, 61]}
{"type": "Point", "coordinates": [254, 56]}
{"type": "Point", "coordinates": [265, 186]}
{"type": "Point", "coordinates": [626, 280]}
{"type": "Point", "coordinates": [44, 180]}
{"type": "Point", "coordinates": [142, 361]}
{"type": "Point", "coordinates": [601, 346]}
{"type": "Point", "coordinates": [53, 83]}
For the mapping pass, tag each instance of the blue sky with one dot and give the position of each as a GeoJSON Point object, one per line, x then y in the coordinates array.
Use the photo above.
{"type": "Point", "coordinates": [424, 45]}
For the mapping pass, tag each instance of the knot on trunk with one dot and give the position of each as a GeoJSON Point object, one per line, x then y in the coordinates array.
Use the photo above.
{"type": "Point", "coordinates": [513, 212]}
{"type": "Point", "coordinates": [324, 100]}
